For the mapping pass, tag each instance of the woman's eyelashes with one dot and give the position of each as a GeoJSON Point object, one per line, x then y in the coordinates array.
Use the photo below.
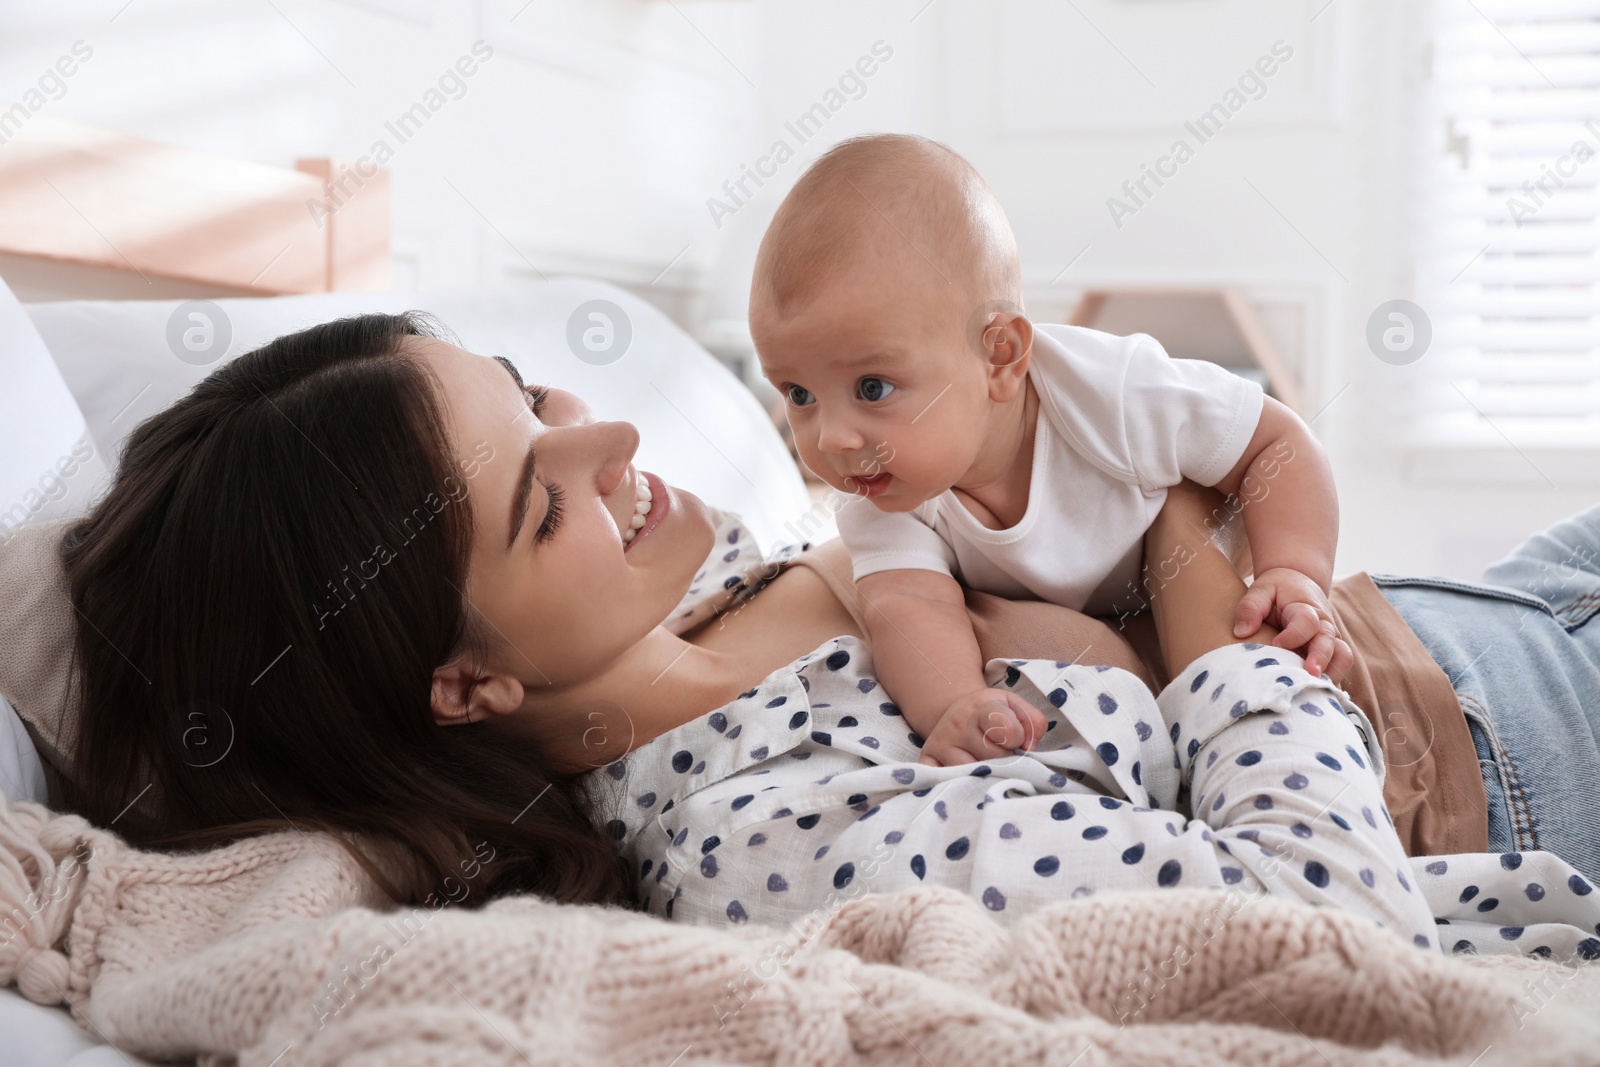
{"type": "Point", "coordinates": [537, 395]}
{"type": "Point", "coordinates": [552, 514]}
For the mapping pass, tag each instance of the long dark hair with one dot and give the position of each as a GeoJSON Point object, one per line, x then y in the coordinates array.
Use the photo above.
{"type": "Point", "coordinates": [262, 597]}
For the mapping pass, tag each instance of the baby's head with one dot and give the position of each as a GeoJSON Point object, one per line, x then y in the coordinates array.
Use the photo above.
{"type": "Point", "coordinates": [886, 307]}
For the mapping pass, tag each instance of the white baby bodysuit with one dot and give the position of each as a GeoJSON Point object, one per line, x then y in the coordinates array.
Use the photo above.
{"type": "Point", "coordinates": [1119, 422]}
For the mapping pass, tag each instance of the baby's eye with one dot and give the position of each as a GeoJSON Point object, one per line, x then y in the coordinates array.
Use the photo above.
{"type": "Point", "coordinates": [799, 396]}
{"type": "Point", "coordinates": [875, 388]}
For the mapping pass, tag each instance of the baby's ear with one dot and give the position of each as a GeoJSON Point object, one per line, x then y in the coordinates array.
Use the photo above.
{"type": "Point", "coordinates": [1007, 342]}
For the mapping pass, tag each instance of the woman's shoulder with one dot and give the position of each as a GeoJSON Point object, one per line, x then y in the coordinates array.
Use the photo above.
{"type": "Point", "coordinates": [733, 570]}
{"type": "Point", "coordinates": [766, 722]}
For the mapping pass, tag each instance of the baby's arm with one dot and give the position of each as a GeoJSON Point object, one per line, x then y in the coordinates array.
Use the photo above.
{"type": "Point", "coordinates": [1291, 514]}
{"type": "Point", "coordinates": [927, 657]}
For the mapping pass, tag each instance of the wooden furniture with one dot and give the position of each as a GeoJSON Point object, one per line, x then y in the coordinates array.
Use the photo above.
{"type": "Point", "coordinates": [87, 212]}
{"type": "Point", "coordinates": [1216, 324]}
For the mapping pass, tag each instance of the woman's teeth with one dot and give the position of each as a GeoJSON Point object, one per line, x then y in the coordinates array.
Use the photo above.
{"type": "Point", "coordinates": [641, 508]}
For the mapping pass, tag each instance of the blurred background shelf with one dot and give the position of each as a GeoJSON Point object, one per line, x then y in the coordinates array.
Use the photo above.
{"type": "Point", "coordinates": [93, 213]}
{"type": "Point", "coordinates": [1220, 325]}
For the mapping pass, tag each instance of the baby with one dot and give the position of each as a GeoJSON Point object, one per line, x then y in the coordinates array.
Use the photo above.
{"type": "Point", "coordinates": [1027, 460]}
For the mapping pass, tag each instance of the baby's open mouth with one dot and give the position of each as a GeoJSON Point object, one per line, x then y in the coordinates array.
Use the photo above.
{"type": "Point", "coordinates": [872, 485]}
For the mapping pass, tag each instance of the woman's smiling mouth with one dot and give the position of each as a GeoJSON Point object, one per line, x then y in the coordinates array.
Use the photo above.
{"type": "Point", "coordinates": [653, 499]}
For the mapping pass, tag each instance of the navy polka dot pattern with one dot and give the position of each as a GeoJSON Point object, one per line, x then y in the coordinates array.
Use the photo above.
{"type": "Point", "coordinates": [1533, 903]}
{"type": "Point", "coordinates": [777, 835]}
{"type": "Point", "coordinates": [1241, 775]}
{"type": "Point", "coordinates": [733, 573]}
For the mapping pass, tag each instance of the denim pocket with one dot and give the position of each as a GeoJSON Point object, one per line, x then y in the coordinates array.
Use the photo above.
{"type": "Point", "coordinates": [1510, 822]}
{"type": "Point", "coordinates": [1499, 807]}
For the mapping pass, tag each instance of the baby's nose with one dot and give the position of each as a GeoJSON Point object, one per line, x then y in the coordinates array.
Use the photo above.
{"type": "Point", "coordinates": [836, 437]}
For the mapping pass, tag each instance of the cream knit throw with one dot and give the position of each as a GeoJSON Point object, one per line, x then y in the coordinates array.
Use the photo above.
{"type": "Point", "coordinates": [274, 951]}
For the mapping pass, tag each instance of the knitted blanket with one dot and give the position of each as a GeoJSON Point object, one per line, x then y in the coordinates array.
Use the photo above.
{"type": "Point", "coordinates": [277, 950]}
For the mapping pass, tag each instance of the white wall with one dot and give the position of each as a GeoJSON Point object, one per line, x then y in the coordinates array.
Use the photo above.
{"type": "Point", "coordinates": [1305, 198]}
{"type": "Point", "coordinates": [595, 136]}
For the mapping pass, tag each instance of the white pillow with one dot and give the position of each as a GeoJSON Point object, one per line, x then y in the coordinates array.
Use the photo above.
{"type": "Point", "coordinates": [49, 466]}
{"type": "Point", "coordinates": [21, 773]}
{"type": "Point", "coordinates": [699, 427]}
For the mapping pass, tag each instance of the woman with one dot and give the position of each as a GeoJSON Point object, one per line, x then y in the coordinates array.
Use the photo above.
{"type": "Point", "coordinates": [430, 607]}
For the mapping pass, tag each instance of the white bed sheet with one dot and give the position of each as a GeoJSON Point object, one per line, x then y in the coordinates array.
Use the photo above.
{"type": "Point", "coordinates": [34, 1035]}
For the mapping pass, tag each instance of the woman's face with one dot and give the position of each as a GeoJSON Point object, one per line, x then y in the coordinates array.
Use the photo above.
{"type": "Point", "coordinates": [561, 594]}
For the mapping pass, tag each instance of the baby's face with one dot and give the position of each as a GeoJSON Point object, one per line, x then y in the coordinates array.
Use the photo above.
{"type": "Point", "coordinates": [884, 395]}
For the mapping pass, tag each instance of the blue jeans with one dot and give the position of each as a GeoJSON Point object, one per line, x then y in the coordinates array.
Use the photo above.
{"type": "Point", "coordinates": [1525, 663]}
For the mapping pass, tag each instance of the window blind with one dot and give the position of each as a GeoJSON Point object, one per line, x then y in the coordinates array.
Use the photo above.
{"type": "Point", "coordinates": [1509, 234]}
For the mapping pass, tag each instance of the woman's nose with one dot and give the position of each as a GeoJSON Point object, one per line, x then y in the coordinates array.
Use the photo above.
{"type": "Point", "coordinates": [613, 444]}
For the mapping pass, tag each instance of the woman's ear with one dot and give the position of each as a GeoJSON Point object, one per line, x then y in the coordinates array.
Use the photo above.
{"type": "Point", "coordinates": [461, 695]}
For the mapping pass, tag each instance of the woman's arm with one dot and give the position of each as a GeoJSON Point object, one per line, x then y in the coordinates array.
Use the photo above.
{"type": "Point", "coordinates": [1272, 759]}
{"type": "Point", "coordinates": [1191, 552]}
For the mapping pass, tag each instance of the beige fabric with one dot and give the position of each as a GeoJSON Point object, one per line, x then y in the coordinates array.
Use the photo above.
{"type": "Point", "coordinates": [36, 640]}
{"type": "Point", "coordinates": [1433, 788]}
{"type": "Point", "coordinates": [270, 950]}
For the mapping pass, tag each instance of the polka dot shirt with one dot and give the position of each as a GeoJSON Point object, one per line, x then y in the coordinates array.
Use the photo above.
{"type": "Point", "coordinates": [1246, 773]}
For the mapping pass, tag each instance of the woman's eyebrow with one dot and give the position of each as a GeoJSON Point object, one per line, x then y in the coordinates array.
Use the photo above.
{"type": "Point", "coordinates": [511, 369]}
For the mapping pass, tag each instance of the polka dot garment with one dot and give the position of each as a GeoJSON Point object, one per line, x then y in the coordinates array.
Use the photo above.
{"type": "Point", "coordinates": [1246, 773]}
{"type": "Point", "coordinates": [1532, 903]}
{"type": "Point", "coordinates": [735, 571]}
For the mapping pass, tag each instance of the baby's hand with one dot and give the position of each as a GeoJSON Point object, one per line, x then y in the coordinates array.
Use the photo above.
{"type": "Point", "coordinates": [983, 724]}
{"type": "Point", "coordinates": [1299, 608]}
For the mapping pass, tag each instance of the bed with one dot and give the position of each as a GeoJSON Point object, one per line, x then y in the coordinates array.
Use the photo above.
{"type": "Point", "coordinates": [1284, 983]}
